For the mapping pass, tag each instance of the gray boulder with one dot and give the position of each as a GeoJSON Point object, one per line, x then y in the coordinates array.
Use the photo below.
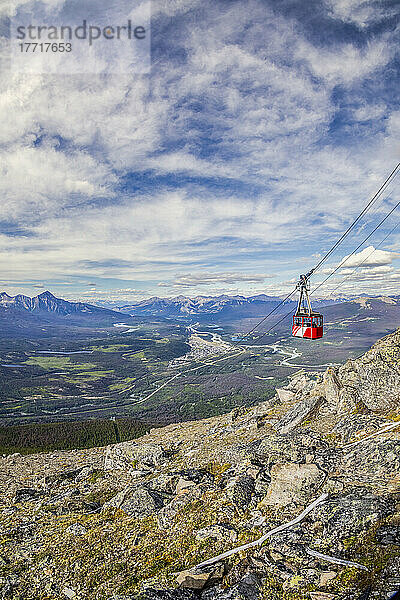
{"type": "Point", "coordinates": [350, 515]}
{"type": "Point", "coordinates": [293, 483]}
{"type": "Point", "coordinates": [352, 427]}
{"type": "Point", "coordinates": [374, 463]}
{"type": "Point", "coordinates": [298, 446]}
{"type": "Point", "coordinates": [240, 490]}
{"type": "Point", "coordinates": [136, 501]}
{"type": "Point", "coordinates": [300, 412]}
{"type": "Point", "coordinates": [375, 377]}
{"type": "Point", "coordinates": [198, 579]}
{"type": "Point", "coordinates": [27, 495]}
{"type": "Point", "coordinates": [388, 535]}
{"type": "Point", "coordinates": [248, 588]}
{"type": "Point", "coordinates": [132, 455]}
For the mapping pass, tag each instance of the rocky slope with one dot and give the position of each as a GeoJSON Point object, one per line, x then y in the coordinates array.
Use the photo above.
{"type": "Point", "coordinates": [315, 472]}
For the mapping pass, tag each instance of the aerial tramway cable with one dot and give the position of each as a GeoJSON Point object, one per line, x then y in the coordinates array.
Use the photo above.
{"type": "Point", "coordinates": [340, 284]}
{"type": "Point", "coordinates": [372, 201]}
{"type": "Point", "coordinates": [270, 313]}
{"type": "Point", "coordinates": [374, 198]}
{"type": "Point", "coordinates": [377, 195]}
{"type": "Point", "coordinates": [366, 258]}
{"type": "Point", "coordinates": [344, 262]}
{"type": "Point", "coordinates": [358, 247]}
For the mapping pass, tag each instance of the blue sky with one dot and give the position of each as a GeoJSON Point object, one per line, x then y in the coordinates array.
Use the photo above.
{"type": "Point", "coordinates": [261, 130]}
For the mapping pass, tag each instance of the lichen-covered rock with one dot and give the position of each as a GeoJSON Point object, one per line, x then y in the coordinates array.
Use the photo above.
{"type": "Point", "coordinates": [326, 577]}
{"type": "Point", "coordinates": [183, 485]}
{"type": "Point", "coordinates": [332, 388]}
{"type": "Point", "coordinates": [76, 529]}
{"type": "Point", "coordinates": [198, 579]}
{"type": "Point", "coordinates": [348, 515]}
{"type": "Point", "coordinates": [27, 495]}
{"type": "Point", "coordinates": [63, 476]}
{"type": "Point", "coordinates": [291, 482]}
{"type": "Point", "coordinates": [132, 455]}
{"type": "Point", "coordinates": [389, 583]}
{"type": "Point", "coordinates": [299, 413]}
{"type": "Point", "coordinates": [164, 484]}
{"type": "Point", "coordinates": [298, 447]}
{"type": "Point", "coordinates": [196, 475]}
{"type": "Point", "coordinates": [217, 532]}
{"type": "Point", "coordinates": [388, 535]}
{"type": "Point", "coordinates": [300, 383]}
{"type": "Point", "coordinates": [285, 395]}
{"type": "Point", "coordinates": [374, 462]}
{"type": "Point", "coordinates": [136, 501]}
{"type": "Point", "coordinates": [376, 375]}
{"type": "Point", "coordinates": [86, 472]}
{"type": "Point", "coordinates": [153, 594]}
{"type": "Point", "coordinates": [240, 490]}
{"type": "Point", "coordinates": [248, 588]}
{"type": "Point", "coordinates": [298, 583]}
{"type": "Point", "coordinates": [8, 587]}
{"type": "Point", "coordinates": [355, 426]}
{"type": "Point", "coordinates": [288, 544]}
{"type": "Point", "coordinates": [262, 482]}
{"type": "Point", "coordinates": [237, 453]}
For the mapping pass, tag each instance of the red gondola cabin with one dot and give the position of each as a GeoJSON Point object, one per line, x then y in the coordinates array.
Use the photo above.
{"type": "Point", "coordinates": [308, 326]}
{"type": "Point", "coordinates": [306, 323]}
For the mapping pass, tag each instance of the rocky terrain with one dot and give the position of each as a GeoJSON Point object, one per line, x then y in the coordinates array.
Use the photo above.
{"type": "Point", "coordinates": [306, 483]}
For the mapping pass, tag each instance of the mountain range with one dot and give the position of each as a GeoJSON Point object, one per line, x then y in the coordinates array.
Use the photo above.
{"type": "Point", "coordinates": [222, 307]}
{"type": "Point", "coordinates": [229, 307]}
{"type": "Point", "coordinates": [47, 302]}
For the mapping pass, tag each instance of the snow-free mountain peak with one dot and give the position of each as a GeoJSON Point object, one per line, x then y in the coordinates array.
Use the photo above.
{"type": "Point", "coordinates": [47, 302]}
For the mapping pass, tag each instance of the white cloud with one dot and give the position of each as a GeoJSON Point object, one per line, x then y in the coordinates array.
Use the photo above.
{"type": "Point", "coordinates": [345, 63]}
{"type": "Point", "coordinates": [203, 278]}
{"type": "Point", "coordinates": [361, 12]}
{"type": "Point", "coordinates": [369, 257]}
{"type": "Point", "coordinates": [43, 179]}
{"type": "Point", "coordinates": [370, 112]}
{"type": "Point", "coordinates": [257, 112]}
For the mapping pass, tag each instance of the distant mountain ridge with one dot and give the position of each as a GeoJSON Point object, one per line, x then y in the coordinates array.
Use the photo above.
{"type": "Point", "coordinates": [200, 307]}
{"type": "Point", "coordinates": [182, 306]}
{"type": "Point", "coordinates": [47, 302]}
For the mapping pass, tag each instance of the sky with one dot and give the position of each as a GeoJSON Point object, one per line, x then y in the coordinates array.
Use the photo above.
{"type": "Point", "coordinates": [260, 131]}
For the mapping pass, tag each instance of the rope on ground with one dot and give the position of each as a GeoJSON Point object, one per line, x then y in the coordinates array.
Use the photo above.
{"type": "Point", "coordinates": [336, 561]}
{"type": "Point", "coordinates": [374, 434]}
{"type": "Point", "coordinates": [267, 535]}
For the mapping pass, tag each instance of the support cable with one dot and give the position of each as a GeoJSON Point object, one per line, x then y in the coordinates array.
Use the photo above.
{"type": "Point", "coordinates": [372, 201]}
{"type": "Point", "coordinates": [343, 262]}
{"type": "Point", "coordinates": [374, 198]}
